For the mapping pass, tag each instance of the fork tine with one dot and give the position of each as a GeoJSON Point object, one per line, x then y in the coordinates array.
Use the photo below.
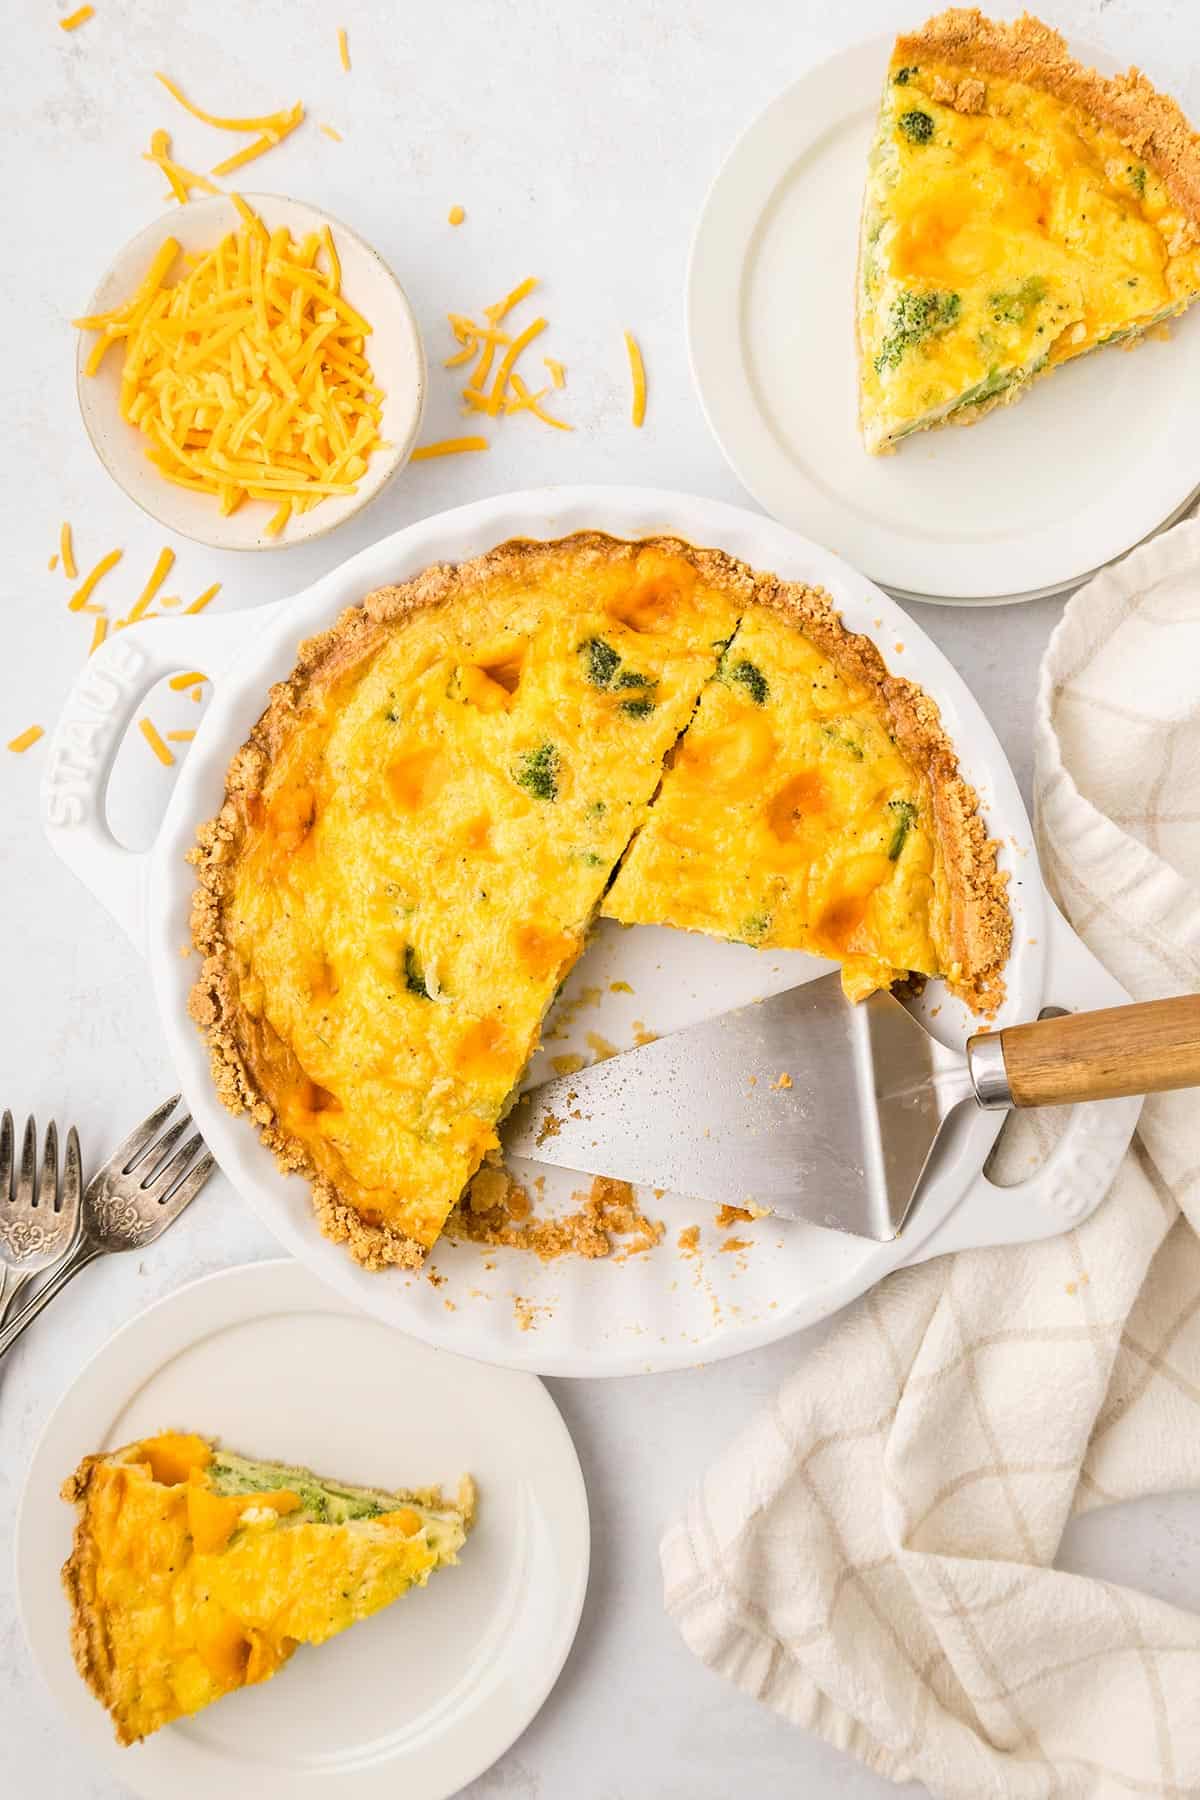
{"type": "Point", "coordinates": [6, 1155]}
{"type": "Point", "coordinates": [72, 1181]}
{"type": "Point", "coordinates": [172, 1204]}
{"type": "Point", "coordinates": [24, 1193]}
{"type": "Point", "coordinates": [129, 1150]}
{"type": "Point", "coordinates": [155, 1158]}
{"type": "Point", "coordinates": [47, 1193]}
{"type": "Point", "coordinates": [167, 1174]}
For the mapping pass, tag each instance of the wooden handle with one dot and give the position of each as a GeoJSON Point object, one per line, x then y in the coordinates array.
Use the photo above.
{"type": "Point", "coordinates": [1146, 1049]}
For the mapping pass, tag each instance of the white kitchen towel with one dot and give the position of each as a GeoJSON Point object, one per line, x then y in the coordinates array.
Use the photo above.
{"type": "Point", "coordinates": [874, 1556]}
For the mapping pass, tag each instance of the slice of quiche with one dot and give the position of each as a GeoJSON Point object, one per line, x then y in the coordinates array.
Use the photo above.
{"type": "Point", "coordinates": [1020, 210]}
{"type": "Point", "coordinates": [814, 805]}
{"type": "Point", "coordinates": [195, 1572]}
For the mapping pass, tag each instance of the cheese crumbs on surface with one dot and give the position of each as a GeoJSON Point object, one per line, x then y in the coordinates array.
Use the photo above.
{"type": "Point", "coordinates": [247, 374]}
{"type": "Point", "coordinates": [456, 215]}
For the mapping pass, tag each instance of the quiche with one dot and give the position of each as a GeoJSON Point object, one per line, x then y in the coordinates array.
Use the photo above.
{"type": "Point", "coordinates": [1020, 211]}
{"type": "Point", "coordinates": [195, 1571]}
{"type": "Point", "coordinates": [467, 768]}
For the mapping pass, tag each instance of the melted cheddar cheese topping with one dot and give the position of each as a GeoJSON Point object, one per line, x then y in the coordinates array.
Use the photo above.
{"type": "Point", "coordinates": [789, 819]}
{"type": "Point", "coordinates": [1004, 232]}
{"type": "Point", "coordinates": [423, 828]}
{"type": "Point", "coordinates": [193, 1574]}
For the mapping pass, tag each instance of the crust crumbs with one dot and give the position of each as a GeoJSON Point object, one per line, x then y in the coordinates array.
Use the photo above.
{"type": "Point", "coordinates": [1147, 122]}
{"type": "Point", "coordinates": [979, 924]}
{"type": "Point", "coordinates": [88, 1639]}
{"type": "Point", "coordinates": [495, 1210]}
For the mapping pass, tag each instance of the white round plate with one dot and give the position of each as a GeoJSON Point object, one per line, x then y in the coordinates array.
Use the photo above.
{"type": "Point", "coordinates": [424, 1696]}
{"type": "Point", "coordinates": [1031, 500]}
{"type": "Point", "coordinates": [394, 350]}
{"type": "Point", "coordinates": [683, 1303]}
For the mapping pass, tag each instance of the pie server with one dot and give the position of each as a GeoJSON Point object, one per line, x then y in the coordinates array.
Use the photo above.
{"type": "Point", "coordinates": [808, 1106]}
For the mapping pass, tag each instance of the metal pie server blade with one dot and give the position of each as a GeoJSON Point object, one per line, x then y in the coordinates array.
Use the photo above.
{"type": "Point", "coordinates": [801, 1104]}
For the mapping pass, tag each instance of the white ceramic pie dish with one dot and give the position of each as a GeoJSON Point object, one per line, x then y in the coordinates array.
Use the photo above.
{"type": "Point", "coordinates": [572, 1317]}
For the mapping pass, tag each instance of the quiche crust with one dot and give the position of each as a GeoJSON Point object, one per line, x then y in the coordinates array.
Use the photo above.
{"type": "Point", "coordinates": [978, 923]}
{"type": "Point", "coordinates": [1146, 122]}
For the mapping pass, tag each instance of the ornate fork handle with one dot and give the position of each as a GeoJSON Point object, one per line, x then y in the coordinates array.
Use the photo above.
{"type": "Point", "coordinates": [79, 1259]}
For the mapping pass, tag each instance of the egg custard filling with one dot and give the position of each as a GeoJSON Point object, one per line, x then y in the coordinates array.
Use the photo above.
{"type": "Point", "coordinates": [467, 769]}
{"type": "Point", "coordinates": [195, 1571]}
{"type": "Point", "coordinates": [1020, 211]}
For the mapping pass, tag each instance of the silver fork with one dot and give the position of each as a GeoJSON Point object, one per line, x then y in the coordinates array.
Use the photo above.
{"type": "Point", "coordinates": [38, 1216]}
{"type": "Point", "coordinates": [142, 1188]}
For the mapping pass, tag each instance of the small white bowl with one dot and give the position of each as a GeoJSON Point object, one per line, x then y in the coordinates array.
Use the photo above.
{"type": "Point", "coordinates": [393, 348]}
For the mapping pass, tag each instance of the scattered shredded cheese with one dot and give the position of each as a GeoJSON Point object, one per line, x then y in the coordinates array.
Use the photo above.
{"type": "Point", "coordinates": [456, 215]}
{"type": "Point", "coordinates": [165, 755]}
{"type": "Point", "coordinates": [556, 372]}
{"type": "Point", "coordinates": [180, 737]}
{"type": "Point", "coordinates": [27, 739]}
{"type": "Point", "coordinates": [188, 679]}
{"type": "Point", "coordinates": [343, 48]}
{"type": "Point", "coordinates": [638, 371]}
{"type": "Point", "coordinates": [199, 604]}
{"type": "Point", "coordinates": [266, 122]}
{"type": "Point", "coordinates": [448, 447]}
{"type": "Point", "coordinates": [67, 551]}
{"type": "Point", "coordinates": [248, 373]}
{"type": "Point", "coordinates": [159, 573]}
{"type": "Point", "coordinates": [53, 563]}
{"type": "Point", "coordinates": [80, 16]}
{"type": "Point", "coordinates": [503, 392]}
{"type": "Point", "coordinates": [83, 594]}
{"type": "Point", "coordinates": [331, 133]}
{"type": "Point", "coordinates": [99, 633]}
{"type": "Point", "coordinates": [267, 141]}
{"type": "Point", "coordinates": [181, 180]}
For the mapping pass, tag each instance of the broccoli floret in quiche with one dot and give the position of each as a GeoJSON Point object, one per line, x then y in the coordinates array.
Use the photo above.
{"type": "Point", "coordinates": [914, 317]}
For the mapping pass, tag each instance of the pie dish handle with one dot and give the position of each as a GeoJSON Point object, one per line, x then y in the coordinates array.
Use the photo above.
{"type": "Point", "coordinates": [98, 712]}
{"type": "Point", "coordinates": [1079, 1171]}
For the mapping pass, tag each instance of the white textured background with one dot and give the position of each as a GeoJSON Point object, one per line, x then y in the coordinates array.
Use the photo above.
{"type": "Point", "coordinates": [581, 136]}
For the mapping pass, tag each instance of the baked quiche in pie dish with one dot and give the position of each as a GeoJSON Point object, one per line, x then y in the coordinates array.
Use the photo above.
{"type": "Point", "coordinates": [466, 770]}
{"type": "Point", "coordinates": [1020, 211]}
{"type": "Point", "coordinates": [195, 1571]}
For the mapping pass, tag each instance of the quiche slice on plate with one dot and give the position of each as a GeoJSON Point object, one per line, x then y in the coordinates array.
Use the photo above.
{"type": "Point", "coordinates": [1020, 210]}
{"type": "Point", "coordinates": [195, 1571]}
{"type": "Point", "coordinates": [430, 813]}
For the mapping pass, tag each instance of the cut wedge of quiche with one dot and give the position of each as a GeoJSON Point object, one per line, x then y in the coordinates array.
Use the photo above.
{"type": "Point", "coordinates": [195, 1572]}
{"type": "Point", "coordinates": [462, 773]}
{"type": "Point", "coordinates": [1020, 211]}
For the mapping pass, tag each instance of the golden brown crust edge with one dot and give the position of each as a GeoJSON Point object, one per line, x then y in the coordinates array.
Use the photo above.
{"type": "Point", "coordinates": [88, 1638]}
{"type": "Point", "coordinates": [979, 927]}
{"type": "Point", "coordinates": [1146, 121]}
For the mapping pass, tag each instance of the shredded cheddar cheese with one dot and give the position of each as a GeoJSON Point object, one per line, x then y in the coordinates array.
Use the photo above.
{"type": "Point", "coordinates": [80, 16]}
{"type": "Point", "coordinates": [25, 740]}
{"type": "Point", "coordinates": [180, 737]}
{"type": "Point", "coordinates": [79, 599]}
{"type": "Point", "coordinates": [158, 575]}
{"type": "Point", "coordinates": [266, 122]}
{"type": "Point", "coordinates": [456, 215]}
{"type": "Point", "coordinates": [448, 447]}
{"type": "Point", "coordinates": [637, 370]}
{"type": "Point", "coordinates": [199, 604]}
{"type": "Point", "coordinates": [248, 372]}
{"type": "Point", "coordinates": [53, 563]}
{"type": "Point", "coordinates": [181, 180]}
{"type": "Point", "coordinates": [331, 133]}
{"type": "Point", "coordinates": [343, 48]}
{"type": "Point", "coordinates": [99, 633]}
{"type": "Point", "coordinates": [504, 391]}
{"type": "Point", "coordinates": [556, 372]}
{"type": "Point", "coordinates": [165, 755]}
{"type": "Point", "coordinates": [67, 551]}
